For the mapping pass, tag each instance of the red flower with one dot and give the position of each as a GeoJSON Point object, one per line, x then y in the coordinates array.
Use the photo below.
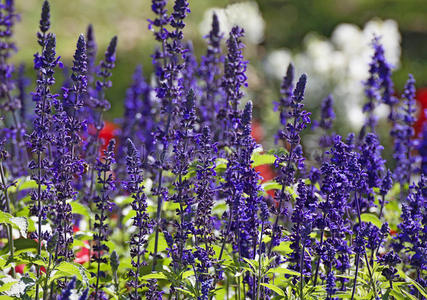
{"type": "Point", "coordinates": [265, 171]}
{"type": "Point", "coordinates": [82, 256]}
{"type": "Point", "coordinates": [105, 135]}
{"type": "Point", "coordinates": [421, 97]}
{"type": "Point", "coordinates": [20, 268]}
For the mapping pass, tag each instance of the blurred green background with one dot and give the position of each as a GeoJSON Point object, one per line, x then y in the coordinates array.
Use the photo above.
{"type": "Point", "coordinates": [287, 22]}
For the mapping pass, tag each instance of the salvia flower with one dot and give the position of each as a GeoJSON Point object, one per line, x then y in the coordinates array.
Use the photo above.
{"type": "Point", "coordinates": [44, 23]}
{"type": "Point", "coordinates": [41, 136]}
{"type": "Point", "coordinates": [370, 159]}
{"type": "Point", "coordinates": [302, 218]}
{"type": "Point", "coordinates": [403, 133]}
{"type": "Point", "coordinates": [105, 71]}
{"type": "Point", "coordinates": [423, 150]}
{"type": "Point", "coordinates": [233, 80]}
{"type": "Point", "coordinates": [379, 87]}
{"type": "Point", "coordinates": [138, 121]}
{"type": "Point", "coordinates": [91, 49]}
{"type": "Point", "coordinates": [411, 237]}
{"type": "Point", "coordinates": [183, 154]}
{"type": "Point", "coordinates": [205, 187]}
{"type": "Point", "coordinates": [294, 119]}
{"type": "Point", "coordinates": [104, 205]}
{"type": "Point", "coordinates": [141, 221]}
{"type": "Point", "coordinates": [390, 260]}
{"type": "Point", "coordinates": [210, 71]}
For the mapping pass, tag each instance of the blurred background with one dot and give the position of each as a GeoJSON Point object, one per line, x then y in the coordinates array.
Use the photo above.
{"type": "Point", "coordinates": [329, 40]}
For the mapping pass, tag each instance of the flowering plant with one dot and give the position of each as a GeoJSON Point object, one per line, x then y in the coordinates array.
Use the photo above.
{"type": "Point", "coordinates": [173, 206]}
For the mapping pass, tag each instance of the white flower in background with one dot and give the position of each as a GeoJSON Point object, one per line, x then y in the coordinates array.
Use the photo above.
{"type": "Point", "coordinates": [243, 14]}
{"type": "Point", "coordinates": [277, 62]}
{"type": "Point", "coordinates": [341, 64]}
{"type": "Point", "coordinates": [388, 30]}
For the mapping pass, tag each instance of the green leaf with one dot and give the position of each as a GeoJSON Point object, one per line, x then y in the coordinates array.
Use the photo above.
{"type": "Point", "coordinates": [284, 247]}
{"type": "Point", "coordinates": [187, 274]}
{"type": "Point", "coordinates": [262, 159]}
{"type": "Point", "coordinates": [80, 209]}
{"type": "Point", "coordinates": [280, 270]}
{"type": "Point", "coordinates": [371, 218]}
{"type": "Point", "coordinates": [7, 286]}
{"type": "Point", "coordinates": [162, 245]}
{"type": "Point", "coordinates": [274, 288]}
{"type": "Point", "coordinates": [15, 287]}
{"type": "Point", "coordinates": [24, 245]}
{"type": "Point", "coordinates": [220, 164]}
{"type": "Point", "coordinates": [128, 216]}
{"type": "Point", "coordinates": [185, 292]}
{"type": "Point", "coordinates": [397, 295]}
{"type": "Point", "coordinates": [67, 269]}
{"type": "Point", "coordinates": [29, 184]}
{"type": "Point", "coordinates": [154, 276]}
{"type": "Point", "coordinates": [20, 223]}
{"type": "Point", "coordinates": [414, 283]}
{"type": "Point", "coordinates": [271, 185]}
{"type": "Point", "coordinates": [412, 297]}
{"type": "Point", "coordinates": [31, 258]}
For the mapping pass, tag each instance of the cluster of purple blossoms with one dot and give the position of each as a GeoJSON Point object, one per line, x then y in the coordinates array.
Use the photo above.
{"type": "Point", "coordinates": [378, 88]}
{"type": "Point", "coordinates": [233, 80]}
{"type": "Point", "coordinates": [412, 236]}
{"type": "Point", "coordinates": [141, 221]}
{"type": "Point", "coordinates": [210, 72]}
{"type": "Point", "coordinates": [104, 205]}
{"type": "Point", "coordinates": [403, 133]}
{"type": "Point", "coordinates": [294, 119]}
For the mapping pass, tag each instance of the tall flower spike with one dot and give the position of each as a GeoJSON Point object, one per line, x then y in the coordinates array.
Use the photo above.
{"type": "Point", "coordinates": [97, 105]}
{"type": "Point", "coordinates": [210, 71]}
{"type": "Point", "coordinates": [403, 133]}
{"type": "Point", "coordinates": [373, 164]}
{"type": "Point", "coordinates": [169, 67]}
{"type": "Point", "coordinates": [234, 79]}
{"type": "Point", "coordinates": [41, 137]}
{"type": "Point", "coordinates": [286, 90]}
{"type": "Point", "coordinates": [423, 149]}
{"type": "Point", "coordinates": [327, 116]}
{"type": "Point", "coordinates": [184, 151]}
{"type": "Point", "coordinates": [205, 187]}
{"type": "Point", "coordinates": [91, 52]}
{"type": "Point", "coordinates": [139, 119]}
{"type": "Point", "coordinates": [66, 164]}
{"type": "Point", "coordinates": [411, 237]}
{"type": "Point", "coordinates": [161, 20]}
{"type": "Point", "coordinates": [104, 205]}
{"type": "Point", "coordinates": [105, 71]}
{"type": "Point", "coordinates": [75, 97]}
{"type": "Point", "coordinates": [294, 119]}
{"type": "Point", "coordinates": [378, 88]}
{"type": "Point", "coordinates": [141, 221]}
{"type": "Point", "coordinates": [44, 23]}
{"type": "Point", "coordinates": [12, 129]}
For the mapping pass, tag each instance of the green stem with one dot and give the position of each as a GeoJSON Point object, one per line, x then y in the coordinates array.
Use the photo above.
{"type": "Point", "coordinates": [101, 220]}
{"type": "Point", "coordinates": [45, 288]}
{"type": "Point", "coordinates": [355, 276]}
{"type": "Point", "coordinates": [259, 263]}
{"type": "Point", "coordinates": [8, 210]}
{"type": "Point", "coordinates": [301, 271]}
